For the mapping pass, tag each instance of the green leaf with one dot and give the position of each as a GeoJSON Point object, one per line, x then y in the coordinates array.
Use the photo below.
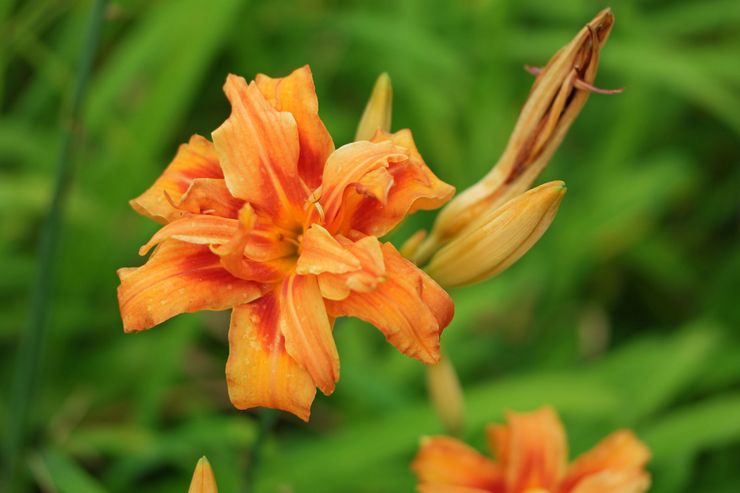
{"type": "Point", "coordinates": [67, 476]}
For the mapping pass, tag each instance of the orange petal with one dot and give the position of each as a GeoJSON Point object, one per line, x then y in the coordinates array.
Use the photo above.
{"type": "Point", "coordinates": [210, 196]}
{"type": "Point", "coordinates": [448, 465]}
{"type": "Point", "coordinates": [409, 307]}
{"type": "Point", "coordinates": [383, 197]}
{"type": "Point", "coordinates": [197, 229]}
{"type": "Point", "coordinates": [261, 272]}
{"type": "Point", "coordinates": [196, 159]}
{"type": "Point", "coordinates": [376, 185]}
{"type": "Point", "coordinates": [637, 481]}
{"type": "Point", "coordinates": [341, 264]}
{"type": "Point", "coordinates": [369, 252]}
{"type": "Point", "coordinates": [308, 331]}
{"type": "Point", "coordinates": [618, 461]}
{"type": "Point", "coordinates": [258, 147]}
{"type": "Point", "coordinates": [438, 488]}
{"type": "Point", "coordinates": [259, 371]}
{"type": "Point", "coordinates": [532, 450]}
{"type": "Point", "coordinates": [203, 480]}
{"type": "Point", "coordinates": [347, 171]}
{"type": "Point", "coordinates": [296, 94]}
{"type": "Point", "coordinates": [321, 252]}
{"type": "Point", "coordinates": [369, 273]}
{"type": "Point", "coordinates": [415, 188]}
{"type": "Point", "coordinates": [178, 277]}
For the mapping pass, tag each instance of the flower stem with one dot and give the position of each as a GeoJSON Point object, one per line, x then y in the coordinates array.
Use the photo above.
{"type": "Point", "coordinates": [32, 338]}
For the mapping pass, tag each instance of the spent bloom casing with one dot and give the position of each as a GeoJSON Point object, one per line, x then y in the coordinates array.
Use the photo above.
{"type": "Point", "coordinates": [559, 92]}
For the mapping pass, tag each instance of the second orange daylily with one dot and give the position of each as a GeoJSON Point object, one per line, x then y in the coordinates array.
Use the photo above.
{"type": "Point", "coordinates": [269, 219]}
{"type": "Point", "coordinates": [532, 453]}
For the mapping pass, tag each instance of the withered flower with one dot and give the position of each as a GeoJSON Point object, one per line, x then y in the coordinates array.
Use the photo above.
{"type": "Point", "coordinates": [559, 92]}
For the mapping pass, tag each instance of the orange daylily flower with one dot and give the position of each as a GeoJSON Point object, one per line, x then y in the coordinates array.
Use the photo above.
{"type": "Point", "coordinates": [270, 220]}
{"type": "Point", "coordinates": [532, 453]}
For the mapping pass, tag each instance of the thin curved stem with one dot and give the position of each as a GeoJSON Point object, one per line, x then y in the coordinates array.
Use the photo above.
{"type": "Point", "coordinates": [32, 338]}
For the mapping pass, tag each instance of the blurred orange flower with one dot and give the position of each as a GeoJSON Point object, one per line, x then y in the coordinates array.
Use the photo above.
{"type": "Point", "coordinates": [270, 220]}
{"type": "Point", "coordinates": [532, 457]}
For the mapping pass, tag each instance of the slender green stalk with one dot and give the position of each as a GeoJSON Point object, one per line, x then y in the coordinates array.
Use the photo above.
{"type": "Point", "coordinates": [32, 338]}
{"type": "Point", "coordinates": [6, 8]}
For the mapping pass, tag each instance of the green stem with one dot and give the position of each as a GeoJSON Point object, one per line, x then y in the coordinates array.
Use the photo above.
{"type": "Point", "coordinates": [32, 338]}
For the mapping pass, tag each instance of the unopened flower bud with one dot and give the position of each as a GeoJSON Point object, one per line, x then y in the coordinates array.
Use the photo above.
{"type": "Point", "coordinates": [377, 114]}
{"type": "Point", "coordinates": [203, 480]}
{"type": "Point", "coordinates": [412, 243]}
{"type": "Point", "coordinates": [496, 240]}
{"type": "Point", "coordinates": [557, 96]}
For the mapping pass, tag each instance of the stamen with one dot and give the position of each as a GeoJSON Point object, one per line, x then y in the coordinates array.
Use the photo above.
{"type": "Point", "coordinates": [577, 83]}
{"type": "Point", "coordinates": [292, 240]}
{"type": "Point", "coordinates": [313, 200]}
{"type": "Point", "coordinates": [533, 70]}
{"type": "Point", "coordinates": [319, 209]}
{"type": "Point", "coordinates": [171, 201]}
{"type": "Point", "coordinates": [585, 86]}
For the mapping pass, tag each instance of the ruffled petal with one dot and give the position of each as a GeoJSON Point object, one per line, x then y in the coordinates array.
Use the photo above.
{"type": "Point", "coordinates": [370, 271]}
{"type": "Point", "coordinates": [196, 159]}
{"type": "Point", "coordinates": [375, 186]}
{"type": "Point", "coordinates": [178, 277]}
{"type": "Point", "coordinates": [259, 371]}
{"type": "Point", "coordinates": [532, 449]}
{"type": "Point", "coordinates": [378, 191]}
{"type": "Point", "coordinates": [352, 173]}
{"type": "Point", "coordinates": [210, 196]}
{"type": "Point", "coordinates": [197, 229]}
{"type": "Point", "coordinates": [258, 148]}
{"type": "Point", "coordinates": [414, 188]}
{"type": "Point", "coordinates": [308, 330]}
{"type": "Point", "coordinates": [296, 94]}
{"type": "Point", "coordinates": [409, 307]}
{"type": "Point", "coordinates": [447, 465]}
{"type": "Point", "coordinates": [341, 264]}
{"type": "Point", "coordinates": [321, 252]}
{"type": "Point", "coordinates": [615, 465]}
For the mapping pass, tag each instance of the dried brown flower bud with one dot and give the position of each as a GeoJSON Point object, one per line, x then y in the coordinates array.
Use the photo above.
{"type": "Point", "coordinates": [557, 96]}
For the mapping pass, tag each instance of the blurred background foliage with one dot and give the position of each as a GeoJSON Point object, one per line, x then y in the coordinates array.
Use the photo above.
{"type": "Point", "coordinates": [624, 315]}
